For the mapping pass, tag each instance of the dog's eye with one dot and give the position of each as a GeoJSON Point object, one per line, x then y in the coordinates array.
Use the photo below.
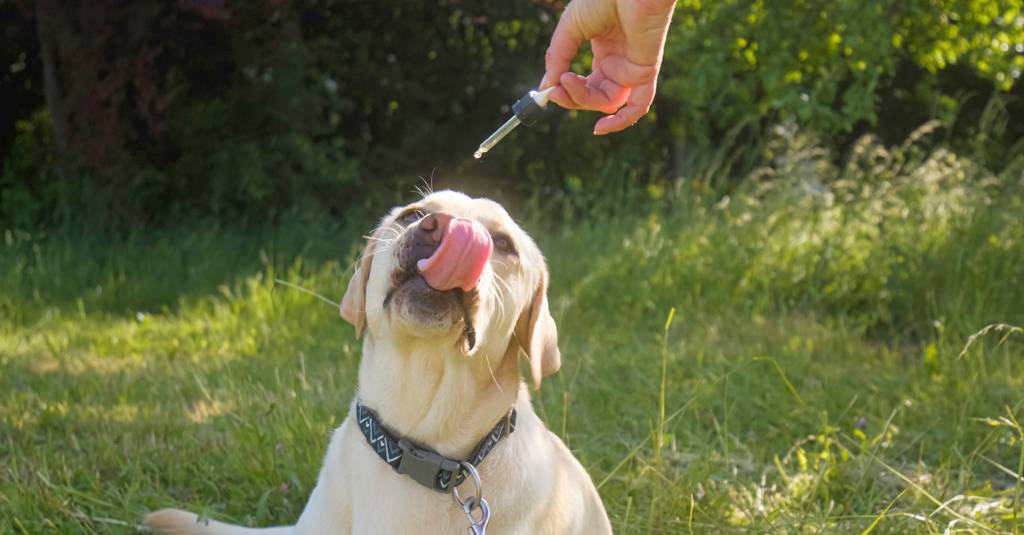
{"type": "Point", "coordinates": [410, 216]}
{"type": "Point", "coordinates": [503, 243]}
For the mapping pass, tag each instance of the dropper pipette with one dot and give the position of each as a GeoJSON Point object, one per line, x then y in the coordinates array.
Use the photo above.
{"type": "Point", "coordinates": [525, 111]}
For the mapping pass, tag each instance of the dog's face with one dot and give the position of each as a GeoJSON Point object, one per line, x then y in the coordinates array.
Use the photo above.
{"type": "Point", "coordinates": [455, 272]}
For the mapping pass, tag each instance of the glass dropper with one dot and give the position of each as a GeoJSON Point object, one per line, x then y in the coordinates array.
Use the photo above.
{"type": "Point", "coordinates": [525, 111]}
{"type": "Point", "coordinates": [497, 136]}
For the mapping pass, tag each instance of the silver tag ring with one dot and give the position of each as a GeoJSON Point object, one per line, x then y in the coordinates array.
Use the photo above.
{"type": "Point", "coordinates": [475, 499]}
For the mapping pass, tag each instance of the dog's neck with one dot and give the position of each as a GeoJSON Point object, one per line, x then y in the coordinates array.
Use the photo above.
{"type": "Point", "coordinates": [437, 396]}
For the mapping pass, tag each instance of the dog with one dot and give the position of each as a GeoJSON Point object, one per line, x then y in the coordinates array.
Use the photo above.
{"type": "Point", "coordinates": [449, 292]}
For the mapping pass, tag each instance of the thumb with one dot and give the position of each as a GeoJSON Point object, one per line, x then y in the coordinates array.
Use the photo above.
{"type": "Point", "coordinates": [564, 43]}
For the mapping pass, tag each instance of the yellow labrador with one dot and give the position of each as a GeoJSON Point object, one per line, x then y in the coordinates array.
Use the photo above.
{"type": "Point", "coordinates": [448, 293]}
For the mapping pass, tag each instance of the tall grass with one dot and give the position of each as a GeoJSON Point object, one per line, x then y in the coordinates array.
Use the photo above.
{"type": "Point", "coordinates": [819, 376]}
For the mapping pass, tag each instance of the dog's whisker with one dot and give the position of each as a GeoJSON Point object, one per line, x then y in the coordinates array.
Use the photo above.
{"type": "Point", "coordinates": [306, 291]}
{"type": "Point", "coordinates": [503, 288]}
{"type": "Point", "coordinates": [428, 187]}
{"type": "Point", "coordinates": [499, 299]}
{"type": "Point", "coordinates": [385, 227]}
{"type": "Point", "coordinates": [504, 283]}
{"type": "Point", "coordinates": [487, 360]}
{"type": "Point", "coordinates": [501, 263]}
{"type": "Point", "coordinates": [378, 252]}
{"type": "Point", "coordinates": [386, 232]}
{"type": "Point", "coordinates": [500, 307]}
{"type": "Point", "coordinates": [502, 298]}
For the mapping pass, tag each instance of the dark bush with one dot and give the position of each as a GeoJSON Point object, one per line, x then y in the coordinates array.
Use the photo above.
{"type": "Point", "coordinates": [128, 114]}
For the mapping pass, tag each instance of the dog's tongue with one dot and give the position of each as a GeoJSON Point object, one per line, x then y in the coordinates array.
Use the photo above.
{"type": "Point", "coordinates": [461, 257]}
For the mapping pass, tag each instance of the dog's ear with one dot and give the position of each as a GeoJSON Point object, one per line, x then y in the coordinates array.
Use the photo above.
{"type": "Point", "coordinates": [353, 305]}
{"type": "Point", "coordinates": [538, 335]}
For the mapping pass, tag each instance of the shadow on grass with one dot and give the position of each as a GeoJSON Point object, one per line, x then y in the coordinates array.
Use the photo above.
{"type": "Point", "coordinates": [242, 437]}
{"type": "Point", "coordinates": [74, 274]}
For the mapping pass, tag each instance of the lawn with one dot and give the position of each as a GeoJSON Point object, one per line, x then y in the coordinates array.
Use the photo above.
{"type": "Point", "coordinates": [794, 358]}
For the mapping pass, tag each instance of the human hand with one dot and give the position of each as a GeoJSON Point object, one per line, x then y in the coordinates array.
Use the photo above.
{"type": "Point", "coordinates": [628, 41]}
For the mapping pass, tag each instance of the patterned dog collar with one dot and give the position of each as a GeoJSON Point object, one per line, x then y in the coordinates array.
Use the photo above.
{"type": "Point", "coordinates": [422, 464]}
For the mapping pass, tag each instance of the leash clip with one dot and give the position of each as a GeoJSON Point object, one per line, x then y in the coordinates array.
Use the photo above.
{"type": "Point", "coordinates": [477, 527]}
{"type": "Point", "coordinates": [474, 502]}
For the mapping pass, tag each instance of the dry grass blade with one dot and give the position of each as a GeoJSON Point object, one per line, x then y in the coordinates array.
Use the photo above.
{"type": "Point", "coordinates": [995, 327]}
{"type": "Point", "coordinates": [877, 519]}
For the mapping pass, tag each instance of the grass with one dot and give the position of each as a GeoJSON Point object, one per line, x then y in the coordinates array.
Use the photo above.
{"type": "Point", "coordinates": [816, 376]}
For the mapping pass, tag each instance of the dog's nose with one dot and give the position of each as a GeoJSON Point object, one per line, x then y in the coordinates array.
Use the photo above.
{"type": "Point", "coordinates": [432, 227]}
{"type": "Point", "coordinates": [462, 247]}
{"type": "Point", "coordinates": [427, 236]}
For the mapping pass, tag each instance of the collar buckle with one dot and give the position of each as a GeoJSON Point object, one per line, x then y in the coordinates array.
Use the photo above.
{"type": "Point", "coordinates": [423, 465]}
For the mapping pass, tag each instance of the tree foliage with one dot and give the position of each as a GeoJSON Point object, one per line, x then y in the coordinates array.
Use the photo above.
{"type": "Point", "coordinates": [147, 111]}
{"type": "Point", "coordinates": [832, 65]}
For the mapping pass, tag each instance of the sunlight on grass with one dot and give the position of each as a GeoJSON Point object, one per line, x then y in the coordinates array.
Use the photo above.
{"type": "Point", "coordinates": [800, 357]}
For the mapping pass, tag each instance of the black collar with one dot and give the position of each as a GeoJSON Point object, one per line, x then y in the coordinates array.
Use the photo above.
{"type": "Point", "coordinates": [424, 465]}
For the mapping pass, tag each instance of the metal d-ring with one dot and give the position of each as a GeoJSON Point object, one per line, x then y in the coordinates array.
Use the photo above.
{"type": "Point", "coordinates": [475, 499]}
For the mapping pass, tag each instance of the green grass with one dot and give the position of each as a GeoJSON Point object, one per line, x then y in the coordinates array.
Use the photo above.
{"type": "Point", "coordinates": [812, 380]}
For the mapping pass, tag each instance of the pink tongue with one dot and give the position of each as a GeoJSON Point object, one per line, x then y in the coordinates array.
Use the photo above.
{"type": "Point", "coordinates": [461, 257]}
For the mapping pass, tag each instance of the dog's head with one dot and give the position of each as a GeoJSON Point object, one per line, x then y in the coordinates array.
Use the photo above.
{"type": "Point", "coordinates": [453, 271]}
